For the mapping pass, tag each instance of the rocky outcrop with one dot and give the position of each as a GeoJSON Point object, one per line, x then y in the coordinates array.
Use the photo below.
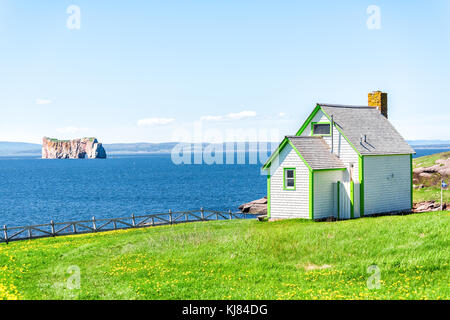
{"type": "Point", "coordinates": [255, 207]}
{"type": "Point", "coordinates": [432, 176]}
{"type": "Point", "coordinates": [72, 149]}
{"type": "Point", "coordinates": [426, 206]}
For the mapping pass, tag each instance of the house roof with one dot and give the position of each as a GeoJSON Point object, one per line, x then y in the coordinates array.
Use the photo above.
{"type": "Point", "coordinates": [359, 121]}
{"type": "Point", "coordinates": [316, 152]}
{"type": "Point", "coordinates": [354, 122]}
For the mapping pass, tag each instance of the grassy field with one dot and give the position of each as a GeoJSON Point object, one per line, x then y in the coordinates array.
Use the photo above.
{"type": "Point", "coordinates": [241, 259]}
{"type": "Point", "coordinates": [428, 161]}
{"type": "Point", "coordinates": [431, 193]}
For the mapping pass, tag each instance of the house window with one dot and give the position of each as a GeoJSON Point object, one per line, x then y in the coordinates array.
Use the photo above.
{"type": "Point", "coordinates": [289, 179]}
{"type": "Point", "coordinates": [321, 129]}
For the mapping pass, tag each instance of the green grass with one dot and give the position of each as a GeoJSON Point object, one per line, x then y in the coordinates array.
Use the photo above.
{"type": "Point", "coordinates": [241, 259]}
{"type": "Point", "coordinates": [58, 140]}
{"type": "Point", "coordinates": [431, 193]}
{"type": "Point", "coordinates": [428, 161]}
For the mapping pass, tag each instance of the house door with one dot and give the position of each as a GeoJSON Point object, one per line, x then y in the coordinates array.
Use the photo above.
{"type": "Point", "coordinates": [342, 200]}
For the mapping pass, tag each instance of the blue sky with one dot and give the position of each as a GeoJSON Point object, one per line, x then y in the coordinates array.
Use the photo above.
{"type": "Point", "coordinates": [150, 70]}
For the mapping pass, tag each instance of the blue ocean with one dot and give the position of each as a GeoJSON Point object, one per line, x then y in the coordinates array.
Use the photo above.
{"type": "Point", "coordinates": [35, 191]}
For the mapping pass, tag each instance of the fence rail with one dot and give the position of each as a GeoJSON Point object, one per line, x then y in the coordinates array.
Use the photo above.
{"type": "Point", "coordinates": [54, 229]}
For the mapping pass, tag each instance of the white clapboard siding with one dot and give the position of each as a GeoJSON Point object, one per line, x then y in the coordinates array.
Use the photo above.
{"type": "Point", "coordinates": [345, 152]}
{"type": "Point", "coordinates": [387, 184]}
{"type": "Point", "coordinates": [288, 203]}
{"type": "Point", "coordinates": [325, 196]}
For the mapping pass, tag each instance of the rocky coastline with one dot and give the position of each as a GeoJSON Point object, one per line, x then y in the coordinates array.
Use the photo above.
{"type": "Point", "coordinates": [72, 149]}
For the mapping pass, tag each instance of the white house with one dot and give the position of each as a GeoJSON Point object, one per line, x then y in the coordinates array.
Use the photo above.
{"type": "Point", "coordinates": [344, 162]}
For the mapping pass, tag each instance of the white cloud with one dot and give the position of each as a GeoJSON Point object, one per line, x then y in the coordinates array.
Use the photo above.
{"type": "Point", "coordinates": [231, 116]}
{"type": "Point", "coordinates": [211, 118]}
{"type": "Point", "coordinates": [241, 115]}
{"type": "Point", "coordinates": [282, 114]}
{"type": "Point", "coordinates": [43, 101]}
{"type": "Point", "coordinates": [71, 129]}
{"type": "Point", "coordinates": [151, 122]}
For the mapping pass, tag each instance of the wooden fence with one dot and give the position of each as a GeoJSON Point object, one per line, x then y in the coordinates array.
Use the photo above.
{"type": "Point", "coordinates": [54, 229]}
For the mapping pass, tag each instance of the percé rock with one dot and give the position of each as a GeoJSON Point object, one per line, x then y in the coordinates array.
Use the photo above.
{"type": "Point", "coordinates": [72, 149]}
{"type": "Point", "coordinates": [255, 207]}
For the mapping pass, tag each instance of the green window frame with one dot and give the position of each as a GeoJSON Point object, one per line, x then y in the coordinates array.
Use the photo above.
{"type": "Point", "coordinates": [320, 134]}
{"type": "Point", "coordinates": [289, 182]}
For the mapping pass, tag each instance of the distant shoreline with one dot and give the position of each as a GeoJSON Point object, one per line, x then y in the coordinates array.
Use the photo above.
{"type": "Point", "coordinates": [27, 150]}
{"type": "Point", "coordinates": [112, 155]}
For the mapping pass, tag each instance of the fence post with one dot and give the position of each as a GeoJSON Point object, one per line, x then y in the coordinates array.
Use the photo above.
{"type": "Point", "coordinates": [29, 233]}
{"type": "Point", "coordinates": [5, 233]}
{"type": "Point", "coordinates": [52, 224]}
{"type": "Point", "coordinates": [153, 221]}
{"type": "Point", "coordinates": [217, 215]}
{"type": "Point", "coordinates": [186, 217]}
{"type": "Point", "coordinates": [133, 220]}
{"type": "Point", "coordinates": [229, 212]}
{"type": "Point", "coordinates": [74, 227]}
{"type": "Point", "coordinates": [170, 216]}
{"type": "Point", "coordinates": [202, 214]}
{"type": "Point", "coordinates": [94, 225]}
{"type": "Point", "coordinates": [115, 224]}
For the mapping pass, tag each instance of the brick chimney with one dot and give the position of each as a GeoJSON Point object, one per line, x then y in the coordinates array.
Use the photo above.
{"type": "Point", "coordinates": [379, 100]}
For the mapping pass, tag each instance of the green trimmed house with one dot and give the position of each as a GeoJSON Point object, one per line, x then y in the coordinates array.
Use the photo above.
{"type": "Point", "coordinates": [344, 162]}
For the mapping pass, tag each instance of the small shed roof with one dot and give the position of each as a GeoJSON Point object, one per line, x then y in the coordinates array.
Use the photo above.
{"type": "Point", "coordinates": [316, 152]}
{"type": "Point", "coordinates": [359, 121]}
